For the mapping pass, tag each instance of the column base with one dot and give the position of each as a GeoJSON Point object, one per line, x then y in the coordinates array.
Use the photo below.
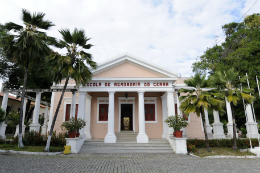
{"type": "Point", "coordinates": [218, 131]}
{"type": "Point", "coordinates": [35, 127]}
{"type": "Point", "coordinates": [2, 129]}
{"type": "Point", "coordinates": [252, 129]}
{"type": "Point", "coordinates": [142, 138]}
{"type": "Point", "coordinates": [44, 130]}
{"type": "Point", "coordinates": [17, 130]}
{"type": "Point", "coordinates": [88, 135]}
{"type": "Point", "coordinates": [110, 138]}
{"type": "Point", "coordinates": [230, 130]}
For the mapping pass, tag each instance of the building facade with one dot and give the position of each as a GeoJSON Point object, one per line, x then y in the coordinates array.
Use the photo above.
{"type": "Point", "coordinates": [125, 93]}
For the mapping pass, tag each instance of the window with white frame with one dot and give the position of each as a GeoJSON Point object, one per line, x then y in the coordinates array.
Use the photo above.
{"type": "Point", "coordinates": [150, 109]}
{"type": "Point", "coordinates": [102, 109]}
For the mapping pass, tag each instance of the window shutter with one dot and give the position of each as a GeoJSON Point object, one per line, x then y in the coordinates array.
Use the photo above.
{"type": "Point", "coordinates": [67, 115]}
{"type": "Point", "coordinates": [176, 110]}
{"type": "Point", "coordinates": [76, 111]}
{"type": "Point", "coordinates": [103, 112]}
{"type": "Point", "coordinates": [149, 112]}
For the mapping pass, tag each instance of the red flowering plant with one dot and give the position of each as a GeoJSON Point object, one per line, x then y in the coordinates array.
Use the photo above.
{"type": "Point", "coordinates": [80, 123]}
{"type": "Point", "coordinates": [69, 125]}
{"type": "Point", "coordinates": [176, 122]}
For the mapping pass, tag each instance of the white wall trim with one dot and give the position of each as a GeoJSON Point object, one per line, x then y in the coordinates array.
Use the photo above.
{"type": "Point", "coordinates": [119, 113]}
{"type": "Point", "coordinates": [106, 99]}
{"type": "Point", "coordinates": [151, 100]}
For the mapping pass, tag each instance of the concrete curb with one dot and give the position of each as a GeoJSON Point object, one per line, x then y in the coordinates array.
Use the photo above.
{"type": "Point", "coordinates": [227, 157]}
{"type": "Point", "coordinates": [30, 153]}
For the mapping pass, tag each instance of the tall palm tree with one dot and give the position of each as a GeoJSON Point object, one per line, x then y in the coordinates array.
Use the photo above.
{"type": "Point", "coordinates": [76, 64]}
{"type": "Point", "coordinates": [229, 83]}
{"type": "Point", "coordinates": [27, 47]}
{"type": "Point", "coordinates": [196, 100]}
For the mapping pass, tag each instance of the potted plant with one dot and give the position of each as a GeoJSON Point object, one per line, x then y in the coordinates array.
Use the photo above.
{"type": "Point", "coordinates": [176, 122]}
{"type": "Point", "coordinates": [80, 123]}
{"type": "Point", "coordinates": [70, 126]}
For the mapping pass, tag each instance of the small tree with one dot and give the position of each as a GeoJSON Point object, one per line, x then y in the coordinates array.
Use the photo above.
{"type": "Point", "coordinates": [2, 115]}
{"type": "Point", "coordinates": [229, 83]}
{"type": "Point", "coordinates": [196, 100]}
{"type": "Point", "coordinates": [12, 119]}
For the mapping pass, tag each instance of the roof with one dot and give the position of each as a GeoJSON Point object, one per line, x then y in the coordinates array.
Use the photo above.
{"type": "Point", "coordinates": [17, 99]}
{"type": "Point", "coordinates": [126, 57]}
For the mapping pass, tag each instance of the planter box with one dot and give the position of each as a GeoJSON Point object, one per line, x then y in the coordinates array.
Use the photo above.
{"type": "Point", "coordinates": [179, 145]}
{"type": "Point", "coordinates": [75, 143]}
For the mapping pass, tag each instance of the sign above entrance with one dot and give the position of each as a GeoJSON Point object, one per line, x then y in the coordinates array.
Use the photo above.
{"type": "Point", "coordinates": [128, 84]}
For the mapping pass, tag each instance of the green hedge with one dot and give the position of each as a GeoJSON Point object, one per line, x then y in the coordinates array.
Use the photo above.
{"type": "Point", "coordinates": [33, 138]}
{"type": "Point", "coordinates": [193, 144]}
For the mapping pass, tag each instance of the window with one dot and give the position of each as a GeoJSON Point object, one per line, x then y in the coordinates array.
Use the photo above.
{"type": "Point", "coordinates": [67, 115]}
{"type": "Point", "coordinates": [149, 112]}
{"type": "Point", "coordinates": [103, 112]}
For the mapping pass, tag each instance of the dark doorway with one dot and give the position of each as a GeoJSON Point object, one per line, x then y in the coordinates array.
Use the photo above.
{"type": "Point", "coordinates": [126, 117]}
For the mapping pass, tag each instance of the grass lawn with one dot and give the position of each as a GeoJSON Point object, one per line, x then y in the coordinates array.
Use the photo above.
{"type": "Point", "coordinates": [9, 137]}
{"type": "Point", "coordinates": [202, 152]}
{"type": "Point", "coordinates": [29, 148]}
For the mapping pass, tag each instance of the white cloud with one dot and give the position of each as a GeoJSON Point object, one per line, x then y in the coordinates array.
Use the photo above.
{"type": "Point", "coordinates": [169, 33]}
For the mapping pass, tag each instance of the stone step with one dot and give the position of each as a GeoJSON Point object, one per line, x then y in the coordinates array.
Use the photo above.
{"type": "Point", "coordinates": [127, 147]}
{"type": "Point", "coordinates": [127, 151]}
{"type": "Point", "coordinates": [126, 144]}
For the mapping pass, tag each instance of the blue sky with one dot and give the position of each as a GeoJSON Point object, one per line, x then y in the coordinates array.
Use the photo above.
{"type": "Point", "coordinates": [171, 33]}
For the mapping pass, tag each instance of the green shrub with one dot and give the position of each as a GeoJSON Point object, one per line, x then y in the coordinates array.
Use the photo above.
{"type": "Point", "coordinates": [191, 148]}
{"type": "Point", "coordinates": [1, 140]}
{"type": "Point", "coordinates": [58, 139]}
{"type": "Point", "coordinates": [241, 143]}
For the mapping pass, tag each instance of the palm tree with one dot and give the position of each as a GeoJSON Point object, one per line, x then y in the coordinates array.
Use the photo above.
{"type": "Point", "coordinates": [27, 48]}
{"type": "Point", "coordinates": [76, 64]}
{"type": "Point", "coordinates": [229, 82]}
{"type": "Point", "coordinates": [196, 100]}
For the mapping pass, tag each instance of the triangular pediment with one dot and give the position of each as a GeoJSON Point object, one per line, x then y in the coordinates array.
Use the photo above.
{"type": "Point", "coordinates": [127, 65]}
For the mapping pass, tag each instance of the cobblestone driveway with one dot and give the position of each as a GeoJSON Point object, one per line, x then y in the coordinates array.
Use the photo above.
{"type": "Point", "coordinates": [124, 163]}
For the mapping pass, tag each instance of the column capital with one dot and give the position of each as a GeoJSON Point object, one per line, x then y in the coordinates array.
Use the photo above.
{"type": "Point", "coordinates": [170, 92]}
{"type": "Point", "coordinates": [88, 96]}
{"type": "Point", "coordinates": [82, 93]}
{"type": "Point", "coordinates": [140, 92]}
{"type": "Point", "coordinates": [111, 92]}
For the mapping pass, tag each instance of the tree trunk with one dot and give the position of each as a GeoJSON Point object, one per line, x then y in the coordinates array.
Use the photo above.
{"type": "Point", "coordinates": [27, 110]}
{"type": "Point", "coordinates": [20, 138]}
{"type": "Point", "coordinates": [205, 130]}
{"type": "Point", "coordinates": [234, 147]}
{"type": "Point", "coordinates": [55, 117]}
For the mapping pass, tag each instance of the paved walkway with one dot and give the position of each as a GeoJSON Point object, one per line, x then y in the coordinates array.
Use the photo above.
{"type": "Point", "coordinates": [124, 163]}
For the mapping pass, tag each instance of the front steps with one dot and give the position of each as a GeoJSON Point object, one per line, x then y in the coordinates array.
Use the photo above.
{"type": "Point", "coordinates": [126, 143]}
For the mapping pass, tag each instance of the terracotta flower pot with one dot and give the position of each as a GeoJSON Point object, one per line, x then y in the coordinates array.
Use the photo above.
{"type": "Point", "coordinates": [178, 134]}
{"type": "Point", "coordinates": [72, 134]}
{"type": "Point", "coordinates": [77, 134]}
{"type": "Point", "coordinates": [174, 133]}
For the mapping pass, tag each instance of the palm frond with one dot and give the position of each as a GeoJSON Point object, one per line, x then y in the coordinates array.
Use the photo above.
{"type": "Point", "coordinates": [10, 25]}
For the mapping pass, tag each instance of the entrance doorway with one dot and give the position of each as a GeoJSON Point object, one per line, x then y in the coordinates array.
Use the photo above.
{"type": "Point", "coordinates": [126, 117]}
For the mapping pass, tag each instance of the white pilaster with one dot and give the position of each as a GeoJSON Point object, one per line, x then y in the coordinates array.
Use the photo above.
{"type": "Point", "coordinates": [141, 137]}
{"type": "Point", "coordinates": [111, 137]}
{"type": "Point", "coordinates": [88, 118]}
{"type": "Point", "coordinates": [218, 131]}
{"type": "Point", "coordinates": [165, 115]}
{"type": "Point", "coordinates": [81, 111]}
{"type": "Point", "coordinates": [208, 126]}
{"type": "Point", "coordinates": [4, 106]}
{"type": "Point", "coordinates": [35, 124]}
{"type": "Point", "coordinates": [179, 112]}
{"type": "Point", "coordinates": [44, 127]}
{"type": "Point", "coordinates": [171, 111]}
{"type": "Point", "coordinates": [251, 126]}
{"type": "Point", "coordinates": [51, 111]}
{"type": "Point", "coordinates": [73, 105]}
{"type": "Point", "coordinates": [23, 126]}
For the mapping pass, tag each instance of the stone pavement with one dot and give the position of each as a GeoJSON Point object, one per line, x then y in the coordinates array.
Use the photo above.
{"type": "Point", "coordinates": [123, 163]}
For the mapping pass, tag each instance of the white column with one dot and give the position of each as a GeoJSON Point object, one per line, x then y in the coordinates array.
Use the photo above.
{"type": "Point", "coordinates": [208, 126]}
{"type": "Point", "coordinates": [44, 127]}
{"type": "Point", "coordinates": [35, 124]}
{"type": "Point", "coordinates": [111, 137]}
{"type": "Point", "coordinates": [251, 126]}
{"type": "Point", "coordinates": [165, 115]}
{"type": "Point", "coordinates": [230, 120]}
{"type": "Point", "coordinates": [73, 105]}
{"type": "Point", "coordinates": [218, 131]}
{"type": "Point", "coordinates": [81, 111]}
{"type": "Point", "coordinates": [4, 106]}
{"type": "Point", "coordinates": [51, 111]}
{"type": "Point", "coordinates": [179, 112]}
{"type": "Point", "coordinates": [88, 118]}
{"type": "Point", "coordinates": [171, 110]}
{"type": "Point", "coordinates": [141, 137]}
{"type": "Point", "coordinates": [23, 126]}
